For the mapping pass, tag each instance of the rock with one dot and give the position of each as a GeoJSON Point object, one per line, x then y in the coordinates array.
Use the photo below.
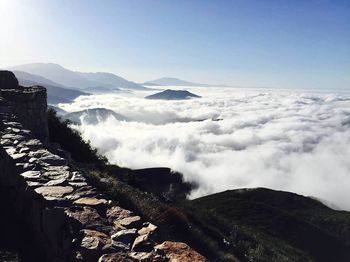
{"type": "Point", "coordinates": [94, 239]}
{"type": "Point", "coordinates": [92, 244]}
{"type": "Point", "coordinates": [12, 124]}
{"type": "Point", "coordinates": [57, 182]}
{"type": "Point", "coordinates": [34, 184]}
{"type": "Point", "coordinates": [77, 177]}
{"type": "Point", "coordinates": [116, 213]}
{"type": "Point", "coordinates": [25, 166]}
{"type": "Point", "coordinates": [54, 191]}
{"type": "Point", "coordinates": [144, 242]}
{"type": "Point", "coordinates": [5, 142]}
{"type": "Point", "coordinates": [31, 174]}
{"type": "Point", "coordinates": [85, 215]}
{"type": "Point", "coordinates": [24, 150]}
{"type": "Point", "coordinates": [53, 160]}
{"type": "Point", "coordinates": [10, 150]}
{"type": "Point", "coordinates": [18, 157]}
{"type": "Point", "coordinates": [178, 252]}
{"type": "Point", "coordinates": [8, 80]}
{"type": "Point", "coordinates": [148, 228]}
{"type": "Point", "coordinates": [32, 144]}
{"type": "Point", "coordinates": [115, 257]}
{"type": "Point", "coordinates": [83, 192]}
{"type": "Point", "coordinates": [146, 256]}
{"type": "Point", "coordinates": [124, 239]}
{"type": "Point", "coordinates": [77, 184]}
{"type": "Point", "coordinates": [13, 137]}
{"type": "Point", "coordinates": [90, 201]}
{"type": "Point", "coordinates": [128, 222]}
{"type": "Point", "coordinates": [57, 174]}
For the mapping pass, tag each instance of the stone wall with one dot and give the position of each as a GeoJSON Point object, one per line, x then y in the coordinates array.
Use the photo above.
{"type": "Point", "coordinates": [29, 104]}
{"type": "Point", "coordinates": [66, 218]}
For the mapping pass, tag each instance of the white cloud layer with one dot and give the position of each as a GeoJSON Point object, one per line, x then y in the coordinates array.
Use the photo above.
{"type": "Point", "coordinates": [288, 140]}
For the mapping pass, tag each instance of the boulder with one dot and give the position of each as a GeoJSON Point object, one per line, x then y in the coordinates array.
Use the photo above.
{"type": "Point", "coordinates": [8, 80]}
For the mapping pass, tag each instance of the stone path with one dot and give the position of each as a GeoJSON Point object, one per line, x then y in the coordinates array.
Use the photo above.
{"type": "Point", "coordinates": [71, 220]}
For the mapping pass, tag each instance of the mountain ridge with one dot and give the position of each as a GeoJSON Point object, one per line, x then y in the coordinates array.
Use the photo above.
{"type": "Point", "coordinates": [76, 79]}
{"type": "Point", "coordinates": [172, 81]}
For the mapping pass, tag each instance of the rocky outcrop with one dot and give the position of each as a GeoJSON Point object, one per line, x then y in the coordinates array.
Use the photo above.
{"type": "Point", "coordinates": [8, 80]}
{"type": "Point", "coordinates": [29, 104]}
{"type": "Point", "coordinates": [66, 217]}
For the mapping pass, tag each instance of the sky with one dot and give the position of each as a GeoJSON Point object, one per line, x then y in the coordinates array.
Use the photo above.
{"type": "Point", "coordinates": [284, 44]}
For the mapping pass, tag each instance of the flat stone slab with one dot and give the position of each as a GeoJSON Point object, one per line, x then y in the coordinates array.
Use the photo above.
{"type": "Point", "coordinates": [85, 216]}
{"type": "Point", "coordinates": [129, 222]}
{"type": "Point", "coordinates": [54, 191]}
{"type": "Point", "coordinates": [90, 201]}
{"type": "Point", "coordinates": [116, 212]}
{"type": "Point", "coordinates": [31, 174]}
{"type": "Point", "coordinates": [57, 182]}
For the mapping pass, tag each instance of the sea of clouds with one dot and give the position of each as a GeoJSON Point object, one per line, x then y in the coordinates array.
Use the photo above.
{"type": "Point", "coordinates": [233, 138]}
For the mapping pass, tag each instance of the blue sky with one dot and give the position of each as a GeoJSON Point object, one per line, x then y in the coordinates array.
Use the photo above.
{"type": "Point", "coordinates": [275, 43]}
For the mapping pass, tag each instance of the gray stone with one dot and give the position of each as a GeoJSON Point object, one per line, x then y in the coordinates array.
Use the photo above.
{"type": "Point", "coordinates": [13, 137]}
{"type": "Point", "coordinates": [116, 212]}
{"type": "Point", "coordinates": [31, 174]}
{"type": "Point", "coordinates": [124, 239]}
{"type": "Point", "coordinates": [128, 222]}
{"type": "Point", "coordinates": [57, 182]}
{"type": "Point", "coordinates": [54, 191]}
{"type": "Point", "coordinates": [90, 201]}
{"type": "Point", "coordinates": [18, 157]}
{"type": "Point", "coordinates": [115, 257]}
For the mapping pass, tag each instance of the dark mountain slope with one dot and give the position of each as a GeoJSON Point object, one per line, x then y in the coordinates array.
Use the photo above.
{"type": "Point", "coordinates": [283, 224]}
{"type": "Point", "coordinates": [93, 115]}
{"type": "Point", "coordinates": [55, 94]}
{"type": "Point", "coordinates": [173, 95]}
{"type": "Point", "coordinates": [58, 74]}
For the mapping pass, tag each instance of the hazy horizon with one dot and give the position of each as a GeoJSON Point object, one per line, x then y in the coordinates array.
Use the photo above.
{"type": "Point", "coordinates": [237, 43]}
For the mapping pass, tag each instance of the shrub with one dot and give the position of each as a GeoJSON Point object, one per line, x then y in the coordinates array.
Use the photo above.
{"type": "Point", "coordinates": [71, 141]}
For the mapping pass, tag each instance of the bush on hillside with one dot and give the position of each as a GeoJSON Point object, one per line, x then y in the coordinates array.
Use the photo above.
{"type": "Point", "coordinates": [71, 141]}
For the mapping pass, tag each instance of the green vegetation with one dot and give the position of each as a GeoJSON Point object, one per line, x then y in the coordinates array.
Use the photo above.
{"type": "Point", "coordinates": [269, 225]}
{"type": "Point", "coordinates": [71, 141]}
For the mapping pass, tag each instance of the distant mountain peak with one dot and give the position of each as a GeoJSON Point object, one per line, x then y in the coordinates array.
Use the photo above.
{"type": "Point", "coordinates": [170, 94]}
{"type": "Point", "coordinates": [172, 81]}
{"type": "Point", "coordinates": [80, 80]}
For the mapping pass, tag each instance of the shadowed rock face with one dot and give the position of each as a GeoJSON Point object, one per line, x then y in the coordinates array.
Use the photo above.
{"type": "Point", "coordinates": [8, 80]}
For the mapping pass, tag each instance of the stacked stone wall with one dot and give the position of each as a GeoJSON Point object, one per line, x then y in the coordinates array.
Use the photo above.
{"type": "Point", "coordinates": [29, 104]}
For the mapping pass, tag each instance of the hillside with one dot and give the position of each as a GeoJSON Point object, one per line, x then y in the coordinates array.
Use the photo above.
{"type": "Point", "coordinates": [93, 116]}
{"type": "Point", "coordinates": [173, 95]}
{"type": "Point", "coordinates": [171, 81]}
{"type": "Point", "coordinates": [275, 225]}
{"type": "Point", "coordinates": [80, 80]}
{"type": "Point", "coordinates": [56, 93]}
